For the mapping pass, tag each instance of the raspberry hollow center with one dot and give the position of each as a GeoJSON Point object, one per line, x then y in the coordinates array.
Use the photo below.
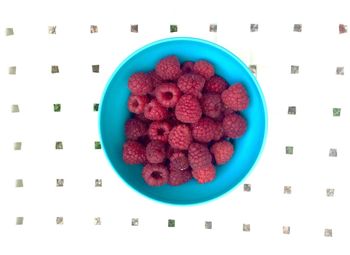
{"type": "Point", "coordinates": [156, 175]}
{"type": "Point", "coordinates": [160, 131]}
{"type": "Point", "coordinates": [167, 96]}
{"type": "Point", "coordinates": [135, 104]}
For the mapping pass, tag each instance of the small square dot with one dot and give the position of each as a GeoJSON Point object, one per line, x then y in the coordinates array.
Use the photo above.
{"type": "Point", "coordinates": [52, 29]}
{"type": "Point", "coordinates": [97, 221]}
{"type": "Point", "coordinates": [15, 108]}
{"type": "Point", "coordinates": [173, 28]}
{"type": "Point", "coordinates": [246, 227]}
{"type": "Point", "coordinates": [208, 225]}
{"type": "Point", "coordinates": [336, 112]}
{"type": "Point", "coordinates": [343, 28]}
{"type": "Point", "coordinates": [59, 220]}
{"type": "Point", "coordinates": [134, 28]}
{"type": "Point", "coordinates": [97, 145]}
{"type": "Point", "coordinates": [292, 110]}
{"type": "Point", "coordinates": [297, 28]}
{"type": "Point", "coordinates": [95, 68]}
{"type": "Point", "coordinates": [254, 27]}
{"type": "Point", "coordinates": [95, 108]}
{"type": "Point", "coordinates": [333, 152]}
{"type": "Point", "coordinates": [135, 222]}
{"type": "Point", "coordinates": [289, 150]}
{"type": "Point", "coordinates": [93, 29]}
{"type": "Point", "coordinates": [59, 182]}
{"type": "Point", "coordinates": [253, 69]}
{"type": "Point", "coordinates": [19, 183]}
{"type": "Point", "coordinates": [59, 145]}
{"type": "Point", "coordinates": [328, 232]}
{"type": "Point", "coordinates": [340, 70]}
{"type": "Point", "coordinates": [55, 69]}
{"type": "Point", "coordinates": [171, 223]}
{"type": "Point", "coordinates": [12, 70]}
{"type": "Point", "coordinates": [213, 28]}
{"type": "Point", "coordinates": [9, 31]}
{"type": "Point", "coordinates": [330, 192]}
{"type": "Point", "coordinates": [287, 190]}
{"type": "Point", "coordinates": [17, 146]}
{"type": "Point", "coordinates": [98, 183]}
{"type": "Point", "coordinates": [57, 107]}
{"type": "Point", "coordinates": [247, 187]}
{"type": "Point", "coordinates": [286, 230]}
{"type": "Point", "coordinates": [294, 69]}
{"type": "Point", "coordinates": [19, 220]}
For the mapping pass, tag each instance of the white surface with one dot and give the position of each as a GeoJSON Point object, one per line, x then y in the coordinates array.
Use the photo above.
{"type": "Point", "coordinates": [318, 50]}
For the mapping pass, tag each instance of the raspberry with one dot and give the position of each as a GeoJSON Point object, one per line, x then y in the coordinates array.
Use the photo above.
{"type": "Point", "coordinates": [222, 151]}
{"type": "Point", "coordinates": [219, 131]}
{"type": "Point", "coordinates": [215, 84]}
{"type": "Point", "coordinates": [188, 109]}
{"type": "Point", "coordinates": [211, 105]}
{"type": "Point", "coordinates": [134, 153]}
{"type": "Point", "coordinates": [178, 161]}
{"type": "Point", "coordinates": [142, 117]}
{"type": "Point", "coordinates": [136, 104]}
{"type": "Point", "coordinates": [168, 68]}
{"type": "Point", "coordinates": [155, 111]}
{"type": "Point", "coordinates": [167, 94]}
{"type": "Point", "coordinates": [140, 83]}
{"type": "Point", "coordinates": [234, 125]}
{"type": "Point", "coordinates": [235, 97]}
{"type": "Point", "coordinates": [204, 174]}
{"type": "Point", "coordinates": [179, 177]}
{"type": "Point", "coordinates": [204, 130]}
{"type": "Point", "coordinates": [159, 131]}
{"type": "Point", "coordinates": [204, 68]}
{"type": "Point", "coordinates": [134, 129]}
{"type": "Point", "coordinates": [155, 174]}
{"type": "Point", "coordinates": [155, 152]}
{"type": "Point", "coordinates": [191, 83]}
{"type": "Point", "coordinates": [199, 156]}
{"type": "Point", "coordinates": [180, 137]}
{"type": "Point", "coordinates": [187, 67]}
{"type": "Point", "coordinates": [156, 80]}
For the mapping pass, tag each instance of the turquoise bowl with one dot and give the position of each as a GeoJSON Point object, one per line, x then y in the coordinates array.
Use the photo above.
{"type": "Point", "coordinates": [113, 113]}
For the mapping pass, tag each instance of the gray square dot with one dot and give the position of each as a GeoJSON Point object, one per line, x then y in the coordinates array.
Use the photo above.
{"type": "Point", "coordinates": [55, 69]}
{"type": "Point", "coordinates": [12, 70]}
{"type": "Point", "coordinates": [173, 28]}
{"type": "Point", "coordinates": [254, 27]}
{"type": "Point", "coordinates": [95, 68]}
{"type": "Point", "coordinates": [343, 28]}
{"type": "Point", "coordinates": [246, 227]}
{"type": "Point", "coordinates": [19, 183]}
{"type": "Point", "coordinates": [97, 221]}
{"type": "Point", "coordinates": [333, 152]}
{"type": "Point", "coordinates": [287, 190]}
{"type": "Point", "coordinates": [134, 28]}
{"type": "Point", "coordinates": [171, 223]}
{"type": "Point", "coordinates": [340, 70]}
{"type": "Point", "coordinates": [59, 182]}
{"type": "Point", "coordinates": [98, 183]}
{"type": "Point", "coordinates": [97, 145]}
{"type": "Point", "coordinates": [59, 145]}
{"type": "Point", "coordinates": [294, 69]}
{"type": "Point", "coordinates": [15, 108]}
{"type": "Point", "coordinates": [289, 150]}
{"type": "Point", "coordinates": [328, 232]}
{"type": "Point", "coordinates": [17, 146]}
{"type": "Point", "coordinates": [52, 30]}
{"type": "Point", "coordinates": [253, 69]}
{"type": "Point", "coordinates": [330, 192]}
{"type": "Point", "coordinates": [292, 110]}
{"type": "Point", "coordinates": [336, 112]}
{"type": "Point", "coordinates": [297, 28]}
{"type": "Point", "coordinates": [208, 225]}
{"type": "Point", "coordinates": [286, 230]}
{"type": "Point", "coordinates": [9, 31]}
{"type": "Point", "coordinates": [213, 28]}
{"type": "Point", "coordinates": [135, 222]}
{"type": "Point", "coordinates": [247, 187]}
{"type": "Point", "coordinates": [93, 29]}
{"type": "Point", "coordinates": [95, 107]}
{"type": "Point", "coordinates": [19, 220]}
{"type": "Point", "coordinates": [56, 107]}
{"type": "Point", "coordinates": [59, 220]}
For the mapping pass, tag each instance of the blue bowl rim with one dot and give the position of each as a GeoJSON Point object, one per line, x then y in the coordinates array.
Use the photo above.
{"type": "Point", "coordinates": [164, 40]}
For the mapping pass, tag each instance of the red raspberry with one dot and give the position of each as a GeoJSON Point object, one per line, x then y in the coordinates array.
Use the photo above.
{"type": "Point", "coordinates": [204, 68]}
{"type": "Point", "coordinates": [134, 153]}
{"type": "Point", "coordinates": [204, 130]}
{"type": "Point", "coordinates": [168, 68]}
{"type": "Point", "coordinates": [156, 80]}
{"type": "Point", "coordinates": [134, 129]}
{"type": "Point", "coordinates": [235, 97]}
{"type": "Point", "coordinates": [178, 161]}
{"type": "Point", "coordinates": [155, 152]}
{"type": "Point", "coordinates": [219, 131]}
{"type": "Point", "coordinates": [199, 156]}
{"type": "Point", "coordinates": [215, 84]}
{"type": "Point", "coordinates": [140, 83]}
{"type": "Point", "coordinates": [191, 83]}
{"type": "Point", "coordinates": [211, 105]}
{"type": "Point", "coordinates": [155, 111]}
{"type": "Point", "coordinates": [222, 152]}
{"type": "Point", "coordinates": [159, 131]}
{"type": "Point", "coordinates": [204, 174]}
{"type": "Point", "coordinates": [179, 177]}
{"type": "Point", "coordinates": [234, 125]}
{"type": "Point", "coordinates": [188, 109]}
{"type": "Point", "coordinates": [187, 67]}
{"type": "Point", "coordinates": [167, 94]}
{"type": "Point", "coordinates": [136, 104]}
{"type": "Point", "coordinates": [155, 174]}
{"type": "Point", "coordinates": [180, 137]}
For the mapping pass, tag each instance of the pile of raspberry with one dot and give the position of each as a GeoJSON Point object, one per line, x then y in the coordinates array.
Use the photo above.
{"type": "Point", "coordinates": [184, 119]}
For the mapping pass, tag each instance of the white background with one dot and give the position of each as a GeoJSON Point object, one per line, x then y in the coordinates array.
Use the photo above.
{"type": "Point", "coordinates": [318, 50]}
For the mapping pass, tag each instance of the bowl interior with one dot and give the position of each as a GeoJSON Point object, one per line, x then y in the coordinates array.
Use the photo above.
{"type": "Point", "coordinates": [114, 113]}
